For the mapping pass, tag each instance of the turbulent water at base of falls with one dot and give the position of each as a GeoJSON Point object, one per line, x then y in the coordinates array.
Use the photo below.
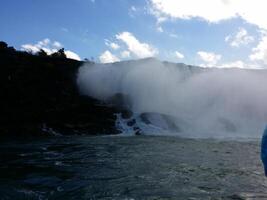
{"type": "Point", "coordinates": [156, 124]}
{"type": "Point", "coordinates": [179, 99]}
{"type": "Point", "coordinates": [108, 167]}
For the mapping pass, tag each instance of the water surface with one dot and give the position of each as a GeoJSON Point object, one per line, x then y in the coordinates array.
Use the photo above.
{"type": "Point", "coordinates": [143, 167]}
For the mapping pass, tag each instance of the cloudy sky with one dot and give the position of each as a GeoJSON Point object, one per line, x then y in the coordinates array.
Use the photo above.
{"type": "Point", "coordinates": [222, 33]}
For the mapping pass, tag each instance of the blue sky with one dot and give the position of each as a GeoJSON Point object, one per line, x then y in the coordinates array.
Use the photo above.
{"type": "Point", "coordinates": [222, 33]}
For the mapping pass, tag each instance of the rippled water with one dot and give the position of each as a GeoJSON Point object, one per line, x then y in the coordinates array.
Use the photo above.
{"type": "Point", "coordinates": [143, 167]}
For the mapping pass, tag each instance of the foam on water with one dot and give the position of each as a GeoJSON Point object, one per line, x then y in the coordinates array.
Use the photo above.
{"type": "Point", "coordinates": [138, 127]}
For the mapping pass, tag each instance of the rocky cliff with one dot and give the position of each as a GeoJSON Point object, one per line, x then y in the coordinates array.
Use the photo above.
{"type": "Point", "coordinates": [39, 96]}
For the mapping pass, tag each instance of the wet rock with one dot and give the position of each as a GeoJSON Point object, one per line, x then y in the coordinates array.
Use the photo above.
{"type": "Point", "coordinates": [131, 122]}
{"type": "Point", "coordinates": [136, 128]}
{"type": "Point", "coordinates": [126, 114]}
{"type": "Point", "coordinates": [138, 132]}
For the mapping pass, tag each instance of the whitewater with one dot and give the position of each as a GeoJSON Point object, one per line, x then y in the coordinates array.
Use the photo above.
{"type": "Point", "coordinates": [179, 99]}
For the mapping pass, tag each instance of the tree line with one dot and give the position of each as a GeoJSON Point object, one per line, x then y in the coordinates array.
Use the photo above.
{"type": "Point", "coordinates": [58, 54]}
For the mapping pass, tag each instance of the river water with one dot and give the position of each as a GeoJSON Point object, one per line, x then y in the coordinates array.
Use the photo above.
{"type": "Point", "coordinates": [137, 167]}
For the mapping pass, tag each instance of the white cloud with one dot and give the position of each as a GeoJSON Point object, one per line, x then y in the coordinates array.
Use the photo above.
{"type": "Point", "coordinates": [44, 42]}
{"type": "Point", "coordinates": [173, 35]}
{"type": "Point", "coordinates": [48, 50]}
{"type": "Point", "coordinates": [133, 8]}
{"type": "Point", "coordinates": [140, 50]}
{"type": "Point", "coordinates": [235, 64]}
{"type": "Point", "coordinates": [259, 53]}
{"type": "Point", "coordinates": [240, 38]}
{"type": "Point", "coordinates": [108, 57]}
{"type": "Point", "coordinates": [214, 11]}
{"type": "Point", "coordinates": [134, 11]}
{"type": "Point", "coordinates": [57, 44]}
{"type": "Point", "coordinates": [160, 29]}
{"type": "Point", "coordinates": [239, 64]}
{"type": "Point", "coordinates": [49, 47]}
{"type": "Point", "coordinates": [30, 48]}
{"type": "Point", "coordinates": [125, 54]}
{"type": "Point", "coordinates": [210, 58]}
{"type": "Point", "coordinates": [114, 46]}
{"type": "Point", "coordinates": [72, 55]}
{"type": "Point", "coordinates": [179, 55]}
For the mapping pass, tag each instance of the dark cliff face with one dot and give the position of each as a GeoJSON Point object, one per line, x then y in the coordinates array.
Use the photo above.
{"type": "Point", "coordinates": [39, 95]}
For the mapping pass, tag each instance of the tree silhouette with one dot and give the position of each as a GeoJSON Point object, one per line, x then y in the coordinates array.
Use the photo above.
{"type": "Point", "coordinates": [11, 49]}
{"type": "Point", "coordinates": [59, 54]}
{"type": "Point", "coordinates": [3, 45]}
{"type": "Point", "coordinates": [42, 53]}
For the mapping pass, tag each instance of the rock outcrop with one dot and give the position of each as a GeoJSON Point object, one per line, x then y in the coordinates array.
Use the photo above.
{"type": "Point", "coordinates": [39, 96]}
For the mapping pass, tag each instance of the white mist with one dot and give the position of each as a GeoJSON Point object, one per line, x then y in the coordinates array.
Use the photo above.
{"type": "Point", "coordinates": [205, 102]}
